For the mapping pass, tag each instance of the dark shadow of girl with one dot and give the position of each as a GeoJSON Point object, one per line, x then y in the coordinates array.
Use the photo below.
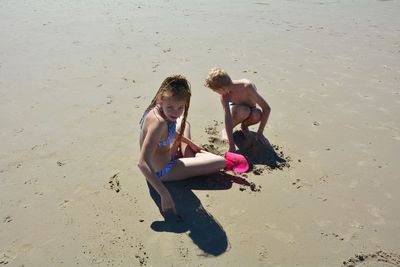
{"type": "Point", "coordinates": [204, 229]}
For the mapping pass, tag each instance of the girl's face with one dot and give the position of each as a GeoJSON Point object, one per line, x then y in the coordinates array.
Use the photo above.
{"type": "Point", "coordinates": [172, 108]}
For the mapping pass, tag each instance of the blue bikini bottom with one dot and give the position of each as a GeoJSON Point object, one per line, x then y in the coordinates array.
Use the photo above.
{"type": "Point", "coordinates": [167, 168]}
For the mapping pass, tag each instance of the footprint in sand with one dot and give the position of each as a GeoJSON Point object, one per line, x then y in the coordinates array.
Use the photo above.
{"type": "Point", "coordinates": [263, 254]}
{"type": "Point", "coordinates": [155, 67]}
{"type": "Point", "coordinates": [6, 257]}
{"type": "Point", "coordinates": [61, 163]}
{"type": "Point", "coordinates": [297, 184]}
{"type": "Point", "coordinates": [114, 183]}
{"type": "Point", "coordinates": [38, 146]}
{"type": "Point", "coordinates": [7, 219]}
{"type": "Point", "coordinates": [334, 235]}
{"type": "Point", "coordinates": [64, 204]}
{"type": "Point", "coordinates": [110, 99]}
{"type": "Point", "coordinates": [31, 181]}
{"type": "Point", "coordinates": [379, 258]}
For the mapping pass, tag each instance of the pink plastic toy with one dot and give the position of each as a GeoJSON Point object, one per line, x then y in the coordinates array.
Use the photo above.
{"type": "Point", "coordinates": [236, 162]}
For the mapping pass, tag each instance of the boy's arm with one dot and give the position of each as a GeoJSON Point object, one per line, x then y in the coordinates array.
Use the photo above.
{"type": "Point", "coordinates": [266, 110]}
{"type": "Point", "coordinates": [228, 123]}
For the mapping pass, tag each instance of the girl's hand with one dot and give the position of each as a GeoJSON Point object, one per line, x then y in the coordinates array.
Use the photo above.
{"type": "Point", "coordinates": [167, 203]}
{"type": "Point", "coordinates": [195, 148]}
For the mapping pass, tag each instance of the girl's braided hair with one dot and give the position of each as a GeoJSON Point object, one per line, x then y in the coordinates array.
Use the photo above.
{"type": "Point", "coordinates": [176, 86]}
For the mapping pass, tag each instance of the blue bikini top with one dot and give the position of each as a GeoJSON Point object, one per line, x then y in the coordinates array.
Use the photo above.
{"type": "Point", "coordinates": [171, 130]}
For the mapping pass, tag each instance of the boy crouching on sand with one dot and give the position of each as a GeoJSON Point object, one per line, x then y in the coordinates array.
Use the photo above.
{"type": "Point", "coordinates": [239, 99]}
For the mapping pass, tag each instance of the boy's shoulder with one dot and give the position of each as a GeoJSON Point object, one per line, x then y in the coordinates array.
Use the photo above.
{"type": "Point", "coordinates": [244, 82]}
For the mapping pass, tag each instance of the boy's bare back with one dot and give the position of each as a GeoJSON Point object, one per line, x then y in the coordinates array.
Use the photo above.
{"type": "Point", "coordinates": [241, 93]}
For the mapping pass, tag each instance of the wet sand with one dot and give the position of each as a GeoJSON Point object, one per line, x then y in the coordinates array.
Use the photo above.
{"type": "Point", "coordinates": [76, 76]}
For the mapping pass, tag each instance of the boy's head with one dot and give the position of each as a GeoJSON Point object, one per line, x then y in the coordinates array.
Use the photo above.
{"type": "Point", "coordinates": [217, 78]}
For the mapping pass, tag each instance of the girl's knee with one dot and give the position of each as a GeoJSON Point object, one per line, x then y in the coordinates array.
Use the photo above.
{"type": "Point", "coordinates": [217, 157]}
{"type": "Point", "coordinates": [213, 158]}
{"type": "Point", "coordinates": [219, 160]}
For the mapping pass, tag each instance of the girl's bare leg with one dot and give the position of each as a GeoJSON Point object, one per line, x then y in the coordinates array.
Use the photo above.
{"type": "Point", "coordinates": [203, 163]}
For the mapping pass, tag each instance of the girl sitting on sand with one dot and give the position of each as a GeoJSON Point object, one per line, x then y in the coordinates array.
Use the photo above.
{"type": "Point", "coordinates": [166, 151]}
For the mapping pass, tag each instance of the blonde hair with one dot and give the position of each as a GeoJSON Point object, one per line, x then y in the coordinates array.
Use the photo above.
{"type": "Point", "coordinates": [217, 78]}
{"type": "Point", "coordinates": [176, 86]}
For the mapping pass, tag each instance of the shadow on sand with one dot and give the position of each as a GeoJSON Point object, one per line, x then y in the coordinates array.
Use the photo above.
{"type": "Point", "coordinates": [258, 153]}
{"type": "Point", "coordinates": [204, 229]}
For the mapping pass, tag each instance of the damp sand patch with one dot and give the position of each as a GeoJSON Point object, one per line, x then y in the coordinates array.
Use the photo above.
{"type": "Point", "coordinates": [261, 157]}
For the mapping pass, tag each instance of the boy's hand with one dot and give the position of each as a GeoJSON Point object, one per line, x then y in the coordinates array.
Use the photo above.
{"type": "Point", "coordinates": [167, 203]}
{"type": "Point", "coordinates": [260, 137]}
{"type": "Point", "coordinates": [232, 148]}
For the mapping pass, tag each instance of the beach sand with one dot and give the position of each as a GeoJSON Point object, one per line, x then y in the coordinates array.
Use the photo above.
{"type": "Point", "coordinates": [76, 76]}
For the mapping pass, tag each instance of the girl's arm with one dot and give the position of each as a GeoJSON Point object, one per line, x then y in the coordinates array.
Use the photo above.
{"type": "Point", "coordinates": [228, 123]}
{"type": "Point", "coordinates": [149, 146]}
{"type": "Point", "coordinates": [192, 145]}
